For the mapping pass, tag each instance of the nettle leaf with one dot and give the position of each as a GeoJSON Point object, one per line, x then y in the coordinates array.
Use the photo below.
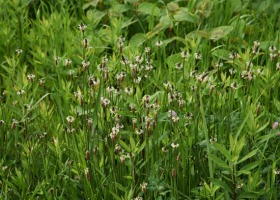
{"type": "Point", "coordinates": [149, 9]}
{"type": "Point", "coordinates": [220, 32]}
{"type": "Point", "coordinates": [137, 39]}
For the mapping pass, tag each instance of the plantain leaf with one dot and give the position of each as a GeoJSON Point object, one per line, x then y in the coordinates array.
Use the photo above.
{"type": "Point", "coordinates": [125, 146]}
{"type": "Point", "coordinates": [220, 32]}
{"type": "Point", "coordinates": [221, 53]}
{"type": "Point", "coordinates": [172, 7]}
{"type": "Point", "coordinates": [149, 9]}
{"type": "Point", "coordinates": [204, 8]}
{"type": "Point", "coordinates": [157, 29]}
{"type": "Point", "coordinates": [184, 15]}
{"type": "Point", "coordinates": [137, 39]}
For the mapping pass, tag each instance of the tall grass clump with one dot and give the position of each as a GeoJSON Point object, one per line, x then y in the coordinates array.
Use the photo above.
{"type": "Point", "coordinates": [139, 99]}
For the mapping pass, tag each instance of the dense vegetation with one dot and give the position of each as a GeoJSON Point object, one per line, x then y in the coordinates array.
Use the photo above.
{"type": "Point", "coordinates": [139, 99]}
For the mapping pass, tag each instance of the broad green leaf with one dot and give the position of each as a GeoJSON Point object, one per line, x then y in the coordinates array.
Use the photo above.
{"type": "Point", "coordinates": [204, 8]}
{"type": "Point", "coordinates": [249, 155]}
{"type": "Point", "coordinates": [224, 151]}
{"type": "Point", "coordinates": [182, 40]}
{"type": "Point", "coordinates": [95, 16]}
{"type": "Point", "coordinates": [184, 15]}
{"type": "Point", "coordinates": [200, 33]}
{"type": "Point", "coordinates": [173, 59]}
{"type": "Point", "coordinates": [172, 7]}
{"type": "Point", "coordinates": [221, 53]}
{"type": "Point", "coordinates": [91, 3]}
{"type": "Point", "coordinates": [157, 29]}
{"type": "Point", "coordinates": [219, 161]}
{"type": "Point", "coordinates": [220, 32]}
{"type": "Point", "coordinates": [263, 6]}
{"type": "Point", "coordinates": [236, 5]}
{"type": "Point", "coordinates": [149, 8]}
{"type": "Point", "coordinates": [120, 8]}
{"type": "Point", "coordinates": [137, 39]}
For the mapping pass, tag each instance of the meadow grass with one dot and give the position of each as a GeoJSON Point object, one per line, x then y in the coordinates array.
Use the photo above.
{"type": "Point", "coordinates": [139, 99]}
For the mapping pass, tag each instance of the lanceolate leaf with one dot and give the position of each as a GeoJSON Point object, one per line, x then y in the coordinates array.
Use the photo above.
{"type": "Point", "coordinates": [249, 155]}
{"type": "Point", "coordinates": [137, 39]}
{"type": "Point", "coordinates": [224, 151]}
{"type": "Point", "coordinates": [220, 32]}
{"type": "Point", "coordinates": [246, 169]}
{"type": "Point", "coordinates": [219, 162]}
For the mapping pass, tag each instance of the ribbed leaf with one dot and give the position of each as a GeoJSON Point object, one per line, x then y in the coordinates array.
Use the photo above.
{"type": "Point", "coordinates": [220, 32]}
{"type": "Point", "coordinates": [224, 151]}
{"type": "Point", "coordinates": [247, 168]}
{"type": "Point", "coordinates": [249, 155]}
{"type": "Point", "coordinates": [125, 146]}
{"type": "Point", "coordinates": [149, 8]}
{"type": "Point", "coordinates": [218, 161]}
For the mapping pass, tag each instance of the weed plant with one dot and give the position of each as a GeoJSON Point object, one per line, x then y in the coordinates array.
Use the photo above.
{"type": "Point", "coordinates": [139, 99]}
